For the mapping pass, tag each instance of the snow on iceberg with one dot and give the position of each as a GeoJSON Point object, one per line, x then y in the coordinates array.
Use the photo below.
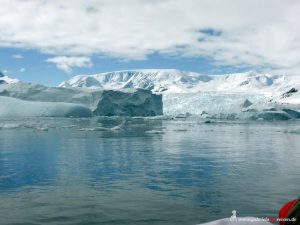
{"type": "Point", "coordinates": [11, 107]}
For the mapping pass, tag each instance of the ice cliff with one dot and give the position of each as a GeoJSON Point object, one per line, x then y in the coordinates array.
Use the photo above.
{"type": "Point", "coordinates": [12, 107]}
{"type": "Point", "coordinates": [126, 102]}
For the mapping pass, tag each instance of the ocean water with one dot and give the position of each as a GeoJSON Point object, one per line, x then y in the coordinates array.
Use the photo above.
{"type": "Point", "coordinates": [144, 171]}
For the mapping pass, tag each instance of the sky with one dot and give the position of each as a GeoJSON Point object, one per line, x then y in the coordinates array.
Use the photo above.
{"type": "Point", "coordinates": [48, 41]}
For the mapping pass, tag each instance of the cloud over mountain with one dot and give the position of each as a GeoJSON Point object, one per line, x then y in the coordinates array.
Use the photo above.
{"type": "Point", "coordinates": [263, 34]}
{"type": "Point", "coordinates": [66, 63]}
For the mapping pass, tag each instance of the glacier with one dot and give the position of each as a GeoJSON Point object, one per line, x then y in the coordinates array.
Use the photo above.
{"type": "Point", "coordinates": [210, 96]}
{"type": "Point", "coordinates": [207, 102]}
{"type": "Point", "coordinates": [248, 95]}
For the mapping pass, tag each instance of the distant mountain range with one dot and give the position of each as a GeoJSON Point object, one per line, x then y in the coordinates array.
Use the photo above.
{"type": "Point", "coordinates": [175, 81]}
{"type": "Point", "coordinates": [6, 80]}
{"type": "Point", "coordinates": [183, 92]}
{"type": "Point", "coordinates": [280, 88]}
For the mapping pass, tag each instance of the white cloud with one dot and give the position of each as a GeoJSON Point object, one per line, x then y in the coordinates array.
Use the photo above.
{"type": "Point", "coordinates": [22, 70]}
{"type": "Point", "coordinates": [66, 63]}
{"type": "Point", "coordinates": [18, 56]}
{"type": "Point", "coordinates": [262, 34]}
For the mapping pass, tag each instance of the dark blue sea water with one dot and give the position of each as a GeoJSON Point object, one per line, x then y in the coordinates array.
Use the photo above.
{"type": "Point", "coordinates": [79, 171]}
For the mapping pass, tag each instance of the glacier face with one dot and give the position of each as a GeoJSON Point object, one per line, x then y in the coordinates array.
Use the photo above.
{"type": "Point", "coordinates": [208, 102]}
{"type": "Point", "coordinates": [126, 102]}
{"type": "Point", "coordinates": [216, 105]}
{"type": "Point", "coordinates": [130, 103]}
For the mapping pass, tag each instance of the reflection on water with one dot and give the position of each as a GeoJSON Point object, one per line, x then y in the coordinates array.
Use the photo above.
{"type": "Point", "coordinates": [188, 172]}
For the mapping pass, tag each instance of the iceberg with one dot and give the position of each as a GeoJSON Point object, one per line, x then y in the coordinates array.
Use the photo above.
{"type": "Point", "coordinates": [271, 115]}
{"type": "Point", "coordinates": [129, 103]}
{"type": "Point", "coordinates": [12, 107]}
{"type": "Point", "coordinates": [126, 102]}
{"type": "Point", "coordinates": [292, 113]}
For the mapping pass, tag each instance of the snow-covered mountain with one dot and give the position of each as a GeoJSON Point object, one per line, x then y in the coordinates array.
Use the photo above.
{"type": "Point", "coordinates": [6, 80]}
{"type": "Point", "coordinates": [175, 81]}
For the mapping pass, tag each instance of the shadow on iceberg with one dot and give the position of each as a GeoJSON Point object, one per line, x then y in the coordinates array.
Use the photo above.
{"type": "Point", "coordinates": [125, 102]}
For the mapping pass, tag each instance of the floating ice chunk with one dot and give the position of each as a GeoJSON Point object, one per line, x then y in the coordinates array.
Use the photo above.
{"type": "Point", "coordinates": [239, 221]}
{"type": "Point", "coordinates": [10, 126]}
{"type": "Point", "coordinates": [271, 116]}
{"type": "Point", "coordinates": [180, 130]}
{"type": "Point", "coordinates": [294, 131]}
{"type": "Point", "coordinates": [150, 132]}
{"type": "Point", "coordinates": [100, 128]}
{"type": "Point", "coordinates": [42, 128]}
{"type": "Point", "coordinates": [69, 126]}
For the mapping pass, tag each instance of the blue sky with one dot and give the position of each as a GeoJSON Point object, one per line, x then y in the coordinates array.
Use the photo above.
{"type": "Point", "coordinates": [49, 41]}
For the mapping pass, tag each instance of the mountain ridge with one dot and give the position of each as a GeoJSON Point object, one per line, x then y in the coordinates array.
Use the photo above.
{"type": "Point", "coordinates": [176, 81]}
{"type": "Point", "coordinates": [4, 79]}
